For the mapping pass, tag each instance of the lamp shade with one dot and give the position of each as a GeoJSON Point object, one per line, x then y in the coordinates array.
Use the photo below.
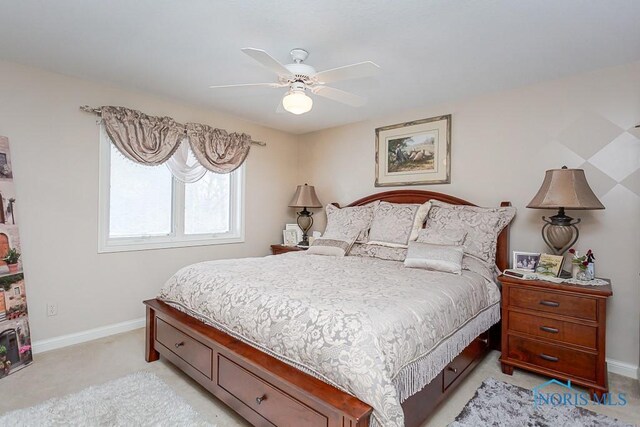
{"type": "Point", "coordinates": [565, 188]}
{"type": "Point", "coordinates": [305, 197]}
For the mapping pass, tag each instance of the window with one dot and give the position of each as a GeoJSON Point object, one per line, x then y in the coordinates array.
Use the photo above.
{"type": "Point", "coordinates": [143, 207]}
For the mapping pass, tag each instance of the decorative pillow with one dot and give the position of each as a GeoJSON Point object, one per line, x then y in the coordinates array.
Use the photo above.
{"type": "Point", "coordinates": [380, 252]}
{"type": "Point", "coordinates": [330, 247]}
{"type": "Point", "coordinates": [343, 223]}
{"type": "Point", "coordinates": [442, 236]}
{"type": "Point", "coordinates": [443, 258]}
{"type": "Point", "coordinates": [483, 225]}
{"type": "Point", "coordinates": [396, 224]}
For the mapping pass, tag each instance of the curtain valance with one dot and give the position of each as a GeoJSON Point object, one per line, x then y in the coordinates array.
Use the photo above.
{"type": "Point", "coordinates": [151, 140]}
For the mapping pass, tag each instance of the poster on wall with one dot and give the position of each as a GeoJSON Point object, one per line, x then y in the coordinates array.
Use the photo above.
{"type": "Point", "coordinates": [15, 340]}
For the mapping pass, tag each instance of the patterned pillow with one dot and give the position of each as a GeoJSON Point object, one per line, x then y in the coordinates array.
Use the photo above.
{"type": "Point", "coordinates": [348, 222]}
{"type": "Point", "coordinates": [396, 224]}
{"type": "Point", "coordinates": [330, 247]}
{"type": "Point", "coordinates": [442, 236]}
{"type": "Point", "coordinates": [443, 258]}
{"type": "Point", "coordinates": [377, 251]}
{"type": "Point", "coordinates": [483, 225]}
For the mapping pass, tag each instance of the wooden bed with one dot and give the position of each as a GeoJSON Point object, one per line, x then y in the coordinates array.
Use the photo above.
{"type": "Point", "coordinates": [266, 391]}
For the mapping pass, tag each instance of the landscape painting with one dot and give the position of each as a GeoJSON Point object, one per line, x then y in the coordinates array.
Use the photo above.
{"type": "Point", "coordinates": [414, 153]}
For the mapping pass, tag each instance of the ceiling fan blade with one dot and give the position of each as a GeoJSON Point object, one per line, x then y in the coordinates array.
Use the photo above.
{"type": "Point", "coordinates": [267, 61]}
{"type": "Point", "coordinates": [248, 84]}
{"type": "Point", "coordinates": [353, 71]}
{"type": "Point", "coordinates": [340, 96]}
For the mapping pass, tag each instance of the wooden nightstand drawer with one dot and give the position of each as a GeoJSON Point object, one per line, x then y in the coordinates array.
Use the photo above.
{"type": "Point", "coordinates": [561, 359]}
{"type": "Point", "coordinates": [554, 302]}
{"type": "Point", "coordinates": [557, 330]}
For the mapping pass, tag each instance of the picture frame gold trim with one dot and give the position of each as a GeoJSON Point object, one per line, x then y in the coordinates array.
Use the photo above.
{"type": "Point", "coordinates": [405, 128]}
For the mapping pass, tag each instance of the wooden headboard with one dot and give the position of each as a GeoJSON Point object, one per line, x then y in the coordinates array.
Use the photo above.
{"type": "Point", "coordinates": [420, 196]}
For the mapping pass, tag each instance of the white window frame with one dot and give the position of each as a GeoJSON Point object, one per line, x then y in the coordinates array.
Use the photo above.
{"type": "Point", "coordinates": [176, 238]}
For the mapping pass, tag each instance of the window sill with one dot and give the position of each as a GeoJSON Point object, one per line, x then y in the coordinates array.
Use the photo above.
{"type": "Point", "coordinates": [128, 245]}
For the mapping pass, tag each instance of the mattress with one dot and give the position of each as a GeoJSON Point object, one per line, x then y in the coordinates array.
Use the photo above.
{"type": "Point", "coordinates": [372, 328]}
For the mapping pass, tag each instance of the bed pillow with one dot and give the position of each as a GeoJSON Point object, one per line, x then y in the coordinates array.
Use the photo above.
{"type": "Point", "coordinates": [379, 252]}
{"type": "Point", "coordinates": [344, 223]}
{"type": "Point", "coordinates": [443, 258]}
{"type": "Point", "coordinates": [482, 225]}
{"type": "Point", "coordinates": [330, 247]}
{"type": "Point", "coordinates": [396, 224]}
{"type": "Point", "coordinates": [442, 236]}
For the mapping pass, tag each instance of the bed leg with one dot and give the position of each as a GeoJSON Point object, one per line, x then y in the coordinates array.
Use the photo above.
{"type": "Point", "coordinates": [150, 353]}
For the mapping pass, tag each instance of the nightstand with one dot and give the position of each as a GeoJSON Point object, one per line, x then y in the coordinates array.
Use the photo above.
{"type": "Point", "coordinates": [556, 330]}
{"type": "Point", "coordinates": [282, 249]}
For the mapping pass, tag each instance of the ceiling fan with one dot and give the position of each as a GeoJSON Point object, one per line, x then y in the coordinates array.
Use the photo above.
{"type": "Point", "coordinates": [301, 78]}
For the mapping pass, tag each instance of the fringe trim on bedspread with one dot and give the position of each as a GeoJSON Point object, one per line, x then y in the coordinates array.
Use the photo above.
{"type": "Point", "coordinates": [413, 377]}
{"type": "Point", "coordinates": [417, 374]}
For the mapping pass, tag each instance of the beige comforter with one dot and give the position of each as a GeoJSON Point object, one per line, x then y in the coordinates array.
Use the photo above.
{"type": "Point", "coordinates": [373, 328]}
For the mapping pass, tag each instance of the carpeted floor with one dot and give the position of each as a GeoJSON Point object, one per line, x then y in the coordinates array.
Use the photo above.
{"type": "Point", "coordinates": [71, 369]}
{"type": "Point", "coordinates": [139, 399]}
{"type": "Point", "coordinates": [499, 404]}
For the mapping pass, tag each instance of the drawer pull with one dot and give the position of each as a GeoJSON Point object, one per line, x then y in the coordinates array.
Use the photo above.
{"type": "Point", "coordinates": [179, 344]}
{"type": "Point", "coordinates": [260, 399]}
{"type": "Point", "coordinates": [549, 329]}
{"type": "Point", "coordinates": [452, 369]}
{"type": "Point", "coordinates": [549, 358]}
{"type": "Point", "coordinates": [550, 303]}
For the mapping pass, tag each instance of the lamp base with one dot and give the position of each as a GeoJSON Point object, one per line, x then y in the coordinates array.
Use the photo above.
{"type": "Point", "coordinates": [560, 232]}
{"type": "Point", "coordinates": [305, 225]}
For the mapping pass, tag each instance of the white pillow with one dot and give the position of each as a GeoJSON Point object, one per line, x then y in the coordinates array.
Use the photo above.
{"type": "Point", "coordinates": [397, 224]}
{"type": "Point", "coordinates": [343, 223]}
{"type": "Point", "coordinates": [330, 247]}
{"type": "Point", "coordinates": [442, 236]}
{"type": "Point", "coordinates": [443, 258]}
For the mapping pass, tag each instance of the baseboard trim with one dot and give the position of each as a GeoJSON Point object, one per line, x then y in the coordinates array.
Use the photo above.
{"type": "Point", "coordinates": [623, 368]}
{"type": "Point", "coordinates": [88, 335]}
{"type": "Point", "coordinates": [614, 366]}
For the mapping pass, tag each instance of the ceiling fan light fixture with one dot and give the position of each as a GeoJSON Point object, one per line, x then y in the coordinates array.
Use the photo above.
{"type": "Point", "coordinates": [297, 102]}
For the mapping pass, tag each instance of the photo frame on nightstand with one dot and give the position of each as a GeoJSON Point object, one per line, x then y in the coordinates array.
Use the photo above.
{"type": "Point", "coordinates": [289, 238]}
{"type": "Point", "coordinates": [298, 230]}
{"type": "Point", "coordinates": [525, 261]}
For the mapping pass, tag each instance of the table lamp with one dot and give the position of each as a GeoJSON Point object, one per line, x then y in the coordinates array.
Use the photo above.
{"type": "Point", "coordinates": [304, 198]}
{"type": "Point", "coordinates": [563, 189]}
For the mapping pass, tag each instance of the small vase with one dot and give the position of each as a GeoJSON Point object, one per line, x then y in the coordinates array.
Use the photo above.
{"type": "Point", "coordinates": [574, 271]}
{"type": "Point", "coordinates": [13, 268]}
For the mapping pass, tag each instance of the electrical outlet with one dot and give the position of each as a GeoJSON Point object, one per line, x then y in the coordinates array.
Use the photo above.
{"type": "Point", "coordinates": [52, 309]}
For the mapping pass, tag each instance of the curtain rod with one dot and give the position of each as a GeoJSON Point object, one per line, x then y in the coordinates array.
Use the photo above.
{"type": "Point", "coordinates": [98, 112]}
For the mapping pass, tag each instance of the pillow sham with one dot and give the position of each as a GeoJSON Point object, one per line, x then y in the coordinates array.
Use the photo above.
{"type": "Point", "coordinates": [447, 259]}
{"type": "Point", "coordinates": [379, 252]}
{"type": "Point", "coordinates": [330, 247]}
{"type": "Point", "coordinates": [343, 223]}
{"type": "Point", "coordinates": [442, 236]}
{"type": "Point", "coordinates": [396, 224]}
{"type": "Point", "coordinates": [482, 225]}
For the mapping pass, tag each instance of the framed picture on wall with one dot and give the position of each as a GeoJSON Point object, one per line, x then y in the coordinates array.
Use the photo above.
{"type": "Point", "coordinates": [414, 153]}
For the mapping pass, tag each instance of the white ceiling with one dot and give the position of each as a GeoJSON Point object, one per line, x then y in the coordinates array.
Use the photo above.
{"type": "Point", "coordinates": [430, 51]}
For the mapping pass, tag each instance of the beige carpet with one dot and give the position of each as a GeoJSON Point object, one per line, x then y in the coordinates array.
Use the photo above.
{"type": "Point", "coordinates": [68, 370]}
{"type": "Point", "coordinates": [139, 399]}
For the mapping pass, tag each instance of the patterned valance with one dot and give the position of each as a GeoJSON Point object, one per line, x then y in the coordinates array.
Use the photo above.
{"type": "Point", "coordinates": [151, 140]}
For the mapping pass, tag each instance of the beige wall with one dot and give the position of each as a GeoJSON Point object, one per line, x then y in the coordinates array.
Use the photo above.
{"type": "Point", "coordinates": [501, 146]}
{"type": "Point", "coordinates": [55, 161]}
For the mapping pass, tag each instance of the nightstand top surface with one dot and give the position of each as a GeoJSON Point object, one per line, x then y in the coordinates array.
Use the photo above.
{"type": "Point", "coordinates": [604, 291]}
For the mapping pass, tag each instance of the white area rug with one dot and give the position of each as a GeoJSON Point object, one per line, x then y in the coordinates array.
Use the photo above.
{"type": "Point", "coordinates": [140, 399]}
{"type": "Point", "coordinates": [499, 404]}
